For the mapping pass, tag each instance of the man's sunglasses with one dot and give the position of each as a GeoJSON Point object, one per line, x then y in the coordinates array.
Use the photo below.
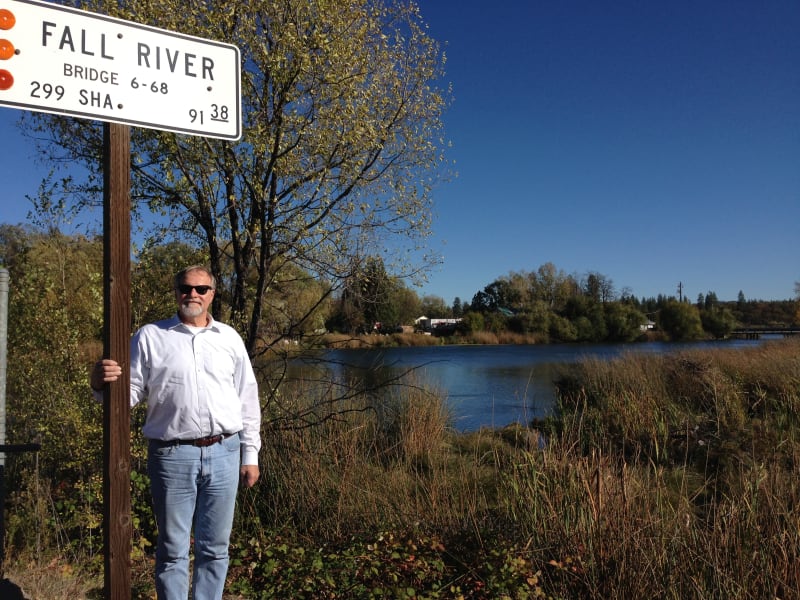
{"type": "Point", "coordinates": [200, 289]}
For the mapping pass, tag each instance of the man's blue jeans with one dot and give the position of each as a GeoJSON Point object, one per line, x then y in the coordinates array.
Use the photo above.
{"type": "Point", "coordinates": [193, 488]}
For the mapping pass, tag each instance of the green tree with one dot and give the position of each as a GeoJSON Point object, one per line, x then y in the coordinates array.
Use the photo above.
{"type": "Point", "coordinates": [599, 287]}
{"type": "Point", "coordinates": [553, 286]}
{"type": "Point", "coordinates": [536, 318]}
{"type": "Point", "coordinates": [797, 299]}
{"type": "Point", "coordinates": [458, 308]}
{"type": "Point", "coordinates": [434, 307]}
{"type": "Point", "coordinates": [472, 321]}
{"type": "Point", "coordinates": [586, 314]}
{"type": "Point", "coordinates": [680, 321]}
{"type": "Point", "coordinates": [342, 144]}
{"type": "Point", "coordinates": [368, 298]}
{"type": "Point", "coordinates": [54, 319]}
{"type": "Point", "coordinates": [623, 322]}
{"type": "Point", "coordinates": [298, 304]}
{"type": "Point", "coordinates": [701, 301]}
{"type": "Point", "coordinates": [711, 301]}
{"type": "Point", "coordinates": [718, 321]}
{"type": "Point", "coordinates": [740, 300]}
{"type": "Point", "coordinates": [407, 304]}
{"type": "Point", "coordinates": [562, 330]}
{"type": "Point", "coordinates": [14, 243]}
{"type": "Point", "coordinates": [500, 294]}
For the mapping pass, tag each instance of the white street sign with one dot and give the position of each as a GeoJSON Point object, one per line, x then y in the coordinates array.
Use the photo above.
{"type": "Point", "coordinates": [66, 61]}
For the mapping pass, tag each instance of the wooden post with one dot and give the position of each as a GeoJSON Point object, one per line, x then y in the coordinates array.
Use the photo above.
{"type": "Point", "coordinates": [116, 345]}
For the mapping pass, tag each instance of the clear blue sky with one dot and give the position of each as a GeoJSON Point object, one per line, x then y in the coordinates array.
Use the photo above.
{"type": "Point", "coordinates": [655, 143]}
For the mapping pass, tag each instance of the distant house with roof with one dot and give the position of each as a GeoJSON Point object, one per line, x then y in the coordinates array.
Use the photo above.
{"type": "Point", "coordinates": [436, 326]}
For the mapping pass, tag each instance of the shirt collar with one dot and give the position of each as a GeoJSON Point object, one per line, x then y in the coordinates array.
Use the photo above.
{"type": "Point", "coordinates": [175, 323]}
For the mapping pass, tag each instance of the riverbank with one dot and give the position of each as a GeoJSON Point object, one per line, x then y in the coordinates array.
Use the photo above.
{"type": "Point", "coordinates": [662, 475]}
{"type": "Point", "coordinates": [399, 340]}
{"type": "Point", "coordinates": [341, 341]}
{"type": "Point", "coordinates": [668, 476]}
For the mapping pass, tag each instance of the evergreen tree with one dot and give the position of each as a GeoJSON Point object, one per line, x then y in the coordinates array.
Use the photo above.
{"type": "Point", "coordinates": [458, 309]}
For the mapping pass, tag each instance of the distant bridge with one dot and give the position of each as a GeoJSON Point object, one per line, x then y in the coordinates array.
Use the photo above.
{"type": "Point", "coordinates": [754, 333]}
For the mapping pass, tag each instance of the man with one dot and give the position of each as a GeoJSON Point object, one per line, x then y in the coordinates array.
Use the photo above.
{"type": "Point", "coordinates": [202, 409]}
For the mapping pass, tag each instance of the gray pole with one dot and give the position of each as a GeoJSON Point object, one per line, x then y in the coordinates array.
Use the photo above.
{"type": "Point", "coordinates": [3, 358]}
{"type": "Point", "coordinates": [3, 349]}
{"type": "Point", "coordinates": [11, 448]}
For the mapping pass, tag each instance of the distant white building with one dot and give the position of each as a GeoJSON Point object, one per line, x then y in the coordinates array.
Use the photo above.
{"type": "Point", "coordinates": [427, 325]}
{"type": "Point", "coordinates": [648, 326]}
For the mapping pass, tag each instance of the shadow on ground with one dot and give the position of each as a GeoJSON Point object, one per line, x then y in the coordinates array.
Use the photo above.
{"type": "Point", "coordinates": [10, 591]}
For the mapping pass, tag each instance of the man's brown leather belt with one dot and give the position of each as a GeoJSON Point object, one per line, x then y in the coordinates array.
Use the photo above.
{"type": "Point", "coordinates": [206, 441]}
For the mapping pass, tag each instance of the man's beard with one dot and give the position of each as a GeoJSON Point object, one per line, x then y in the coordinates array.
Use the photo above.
{"type": "Point", "coordinates": [191, 310]}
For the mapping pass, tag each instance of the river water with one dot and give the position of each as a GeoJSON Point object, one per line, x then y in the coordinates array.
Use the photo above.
{"type": "Point", "coordinates": [484, 386]}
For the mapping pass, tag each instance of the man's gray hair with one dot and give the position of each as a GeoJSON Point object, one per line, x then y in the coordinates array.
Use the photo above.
{"type": "Point", "coordinates": [180, 276]}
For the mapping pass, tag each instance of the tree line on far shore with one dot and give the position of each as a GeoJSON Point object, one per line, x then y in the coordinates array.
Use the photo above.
{"type": "Point", "coordinates": [547, 305]}
{"type": "Point", "coordinates": [551, 306]}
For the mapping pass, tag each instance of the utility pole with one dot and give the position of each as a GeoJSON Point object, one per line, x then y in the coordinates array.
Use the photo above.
{"type": "Point", "coordinates": [680, 291]}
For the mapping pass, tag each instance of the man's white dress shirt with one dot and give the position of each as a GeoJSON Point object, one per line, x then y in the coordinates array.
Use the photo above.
{"type": "Point", "coordinates": [197, 382]}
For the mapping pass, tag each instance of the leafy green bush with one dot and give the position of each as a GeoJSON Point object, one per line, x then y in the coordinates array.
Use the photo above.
{"type": "Point", "coordinates": [388, 566]}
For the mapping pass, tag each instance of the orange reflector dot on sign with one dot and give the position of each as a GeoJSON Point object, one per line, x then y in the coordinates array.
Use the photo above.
{"type": "Point", "coordinates": [6, 49]}
{"type": "Point", "coordinates": [7, 19]}
{"type": "Point", "coordinates": [6, 80]}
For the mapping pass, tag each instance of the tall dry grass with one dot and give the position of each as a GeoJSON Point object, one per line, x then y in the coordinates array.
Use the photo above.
{"type": "Point", "coordinates": [363, 467]}
{"type": "Point", "coordinates": [486, 338]}
{"type": "Point", "coordinates": [678, 475]}
{"type": "Point", "coordinates": [393, 340]}
{"type": "Point", "coordinates": [663, 476]}
{"type": "Point", "coordinates": [666, 476]}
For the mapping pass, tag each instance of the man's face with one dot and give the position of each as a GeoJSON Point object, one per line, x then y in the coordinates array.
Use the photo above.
{"type": "Point", "coordinates": [192, 304]}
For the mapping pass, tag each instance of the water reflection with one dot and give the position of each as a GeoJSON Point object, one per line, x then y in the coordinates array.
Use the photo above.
{"type": "Point", "coordinates": [485, 386]}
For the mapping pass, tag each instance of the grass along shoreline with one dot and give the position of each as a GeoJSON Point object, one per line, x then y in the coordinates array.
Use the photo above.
{"type": "Point", "coordinates": [670, 476]}
{"type": "Point", "coordinates": [664, 476]}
